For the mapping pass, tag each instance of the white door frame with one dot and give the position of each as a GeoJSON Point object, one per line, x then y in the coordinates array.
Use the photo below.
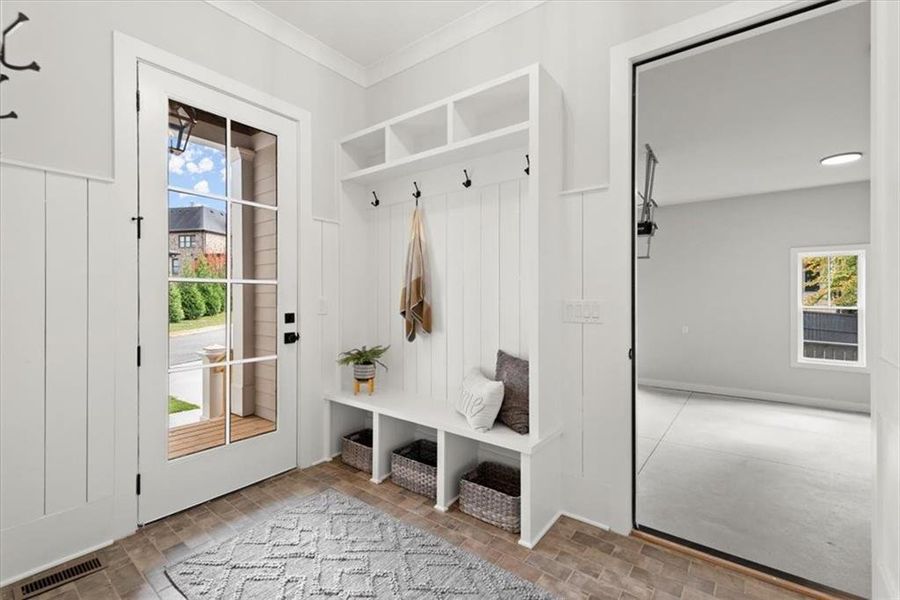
{"type": "Point", "coordinates": [884, 149]}
{"type": "Point", "coordinates": [127, 52]}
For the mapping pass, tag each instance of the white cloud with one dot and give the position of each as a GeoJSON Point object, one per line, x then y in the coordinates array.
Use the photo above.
{"type": "Point", "coordinates": [176, 164]}
{"type": "Point", "coordinates": [222, 174]}
{"type": "Point", "coordinates": [202, 186]}
{"type": "Point", "coordinates": [204, 165]}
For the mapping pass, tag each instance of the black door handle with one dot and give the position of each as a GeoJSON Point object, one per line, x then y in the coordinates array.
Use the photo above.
{"type": "Point", "coordinates": [291, 337]}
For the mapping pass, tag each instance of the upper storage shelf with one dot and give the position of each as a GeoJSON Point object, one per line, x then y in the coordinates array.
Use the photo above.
{"type": "Point", "coordinates": [490, 118]}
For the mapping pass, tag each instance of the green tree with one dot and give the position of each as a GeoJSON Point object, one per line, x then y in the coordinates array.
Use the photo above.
{"type": "Point", "coordinates": [830, 280]}
{"type": "Point", "coordinates": [176, 312]}
{"type": "Point", "coordinates": [192, 301]}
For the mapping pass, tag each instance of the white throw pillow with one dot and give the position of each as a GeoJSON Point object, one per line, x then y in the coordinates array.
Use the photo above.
{"type": "Point", "coordinates": [480, 400]}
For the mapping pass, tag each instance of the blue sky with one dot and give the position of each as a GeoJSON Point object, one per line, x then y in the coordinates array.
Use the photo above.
{"type": "Point", "coordinates": [201, 168]}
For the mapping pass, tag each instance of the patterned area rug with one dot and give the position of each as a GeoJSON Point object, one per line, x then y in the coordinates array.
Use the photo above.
{"type": "Point", "coordinates": [334, 546]}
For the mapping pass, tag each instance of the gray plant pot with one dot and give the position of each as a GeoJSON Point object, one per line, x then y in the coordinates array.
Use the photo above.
{"type": "Point", "coordinates": [363, 372]}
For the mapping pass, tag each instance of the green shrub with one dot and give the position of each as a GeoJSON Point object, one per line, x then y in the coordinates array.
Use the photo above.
{"type": "Point", "coordinates": [213, 298]}
{"type": "Point", "coordinates": [176, 312]}
{"type": "Point", "coordinates": [192, 301]}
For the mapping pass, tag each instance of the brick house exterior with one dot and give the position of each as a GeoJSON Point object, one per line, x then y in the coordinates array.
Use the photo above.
{"type": "Point", "coordinates": [195, 231]}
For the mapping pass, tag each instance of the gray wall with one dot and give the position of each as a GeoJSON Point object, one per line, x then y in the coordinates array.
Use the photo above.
{"type": "Point", "coordinates": [722, 268]}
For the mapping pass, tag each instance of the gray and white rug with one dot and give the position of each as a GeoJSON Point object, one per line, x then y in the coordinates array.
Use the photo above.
{"type": "Point", "coordinates": [334, 546]}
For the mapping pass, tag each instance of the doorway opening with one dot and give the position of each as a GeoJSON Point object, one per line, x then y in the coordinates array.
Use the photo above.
{"type": "Point", "coordinates": [752, 433]}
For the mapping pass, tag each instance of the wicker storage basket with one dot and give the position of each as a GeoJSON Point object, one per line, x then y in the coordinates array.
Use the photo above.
{"type": "Point", "coordinates": [414, 467]}
{"type": "Point", "coordinates": [356, 450]}
{"type": "Point", "coordinates": [491, 492]}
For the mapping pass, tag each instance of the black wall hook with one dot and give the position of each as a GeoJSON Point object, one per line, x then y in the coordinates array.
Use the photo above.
{"type": "Point", "coordinates": [377, 201]}
{"type": "Point", "coordinates": [468, 181]}
{"type": "Point", "coordinates": [528, 167]}
{"type": "Point", "coordinates": [417, 194]}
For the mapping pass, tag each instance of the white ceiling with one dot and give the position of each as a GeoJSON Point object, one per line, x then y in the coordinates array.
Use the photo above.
{"type": "Point", "coordinates": [369, 31]}
{"type": "Point", "coordinates": [756, 115]}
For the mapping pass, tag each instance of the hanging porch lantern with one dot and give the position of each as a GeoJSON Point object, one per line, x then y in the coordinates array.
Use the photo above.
{"type": "Point", "coordinates": [181, 122]}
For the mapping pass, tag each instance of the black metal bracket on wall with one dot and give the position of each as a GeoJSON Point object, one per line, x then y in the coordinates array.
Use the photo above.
{"type": "Point", "coordinates": [32, 66]}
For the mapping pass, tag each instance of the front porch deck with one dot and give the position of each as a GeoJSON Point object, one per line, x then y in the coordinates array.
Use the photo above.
{"type": "Point", "coordinates": [194, 437]}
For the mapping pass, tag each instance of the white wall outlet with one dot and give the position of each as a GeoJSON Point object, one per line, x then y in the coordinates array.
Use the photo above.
{"type": "Point", "coordinates": [588, 312]}
{"type": "Point", "coordinates": [684, 329]}
{"type": "Point", "coordinates": [323, 305]}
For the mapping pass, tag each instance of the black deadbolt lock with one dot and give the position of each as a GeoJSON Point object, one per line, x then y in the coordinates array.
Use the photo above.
{"type": "Point", "coordinates": [288, 317]}
{"type": "Point", "coordinates": [291, 337]}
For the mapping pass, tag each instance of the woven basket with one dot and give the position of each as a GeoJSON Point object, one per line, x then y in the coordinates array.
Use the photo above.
{"type": "Point", "coordinates": [414, 467]}
{"type": "Point", "coordinates": [356, 450]}
{"type": "Point", "coordinates": [491, 492]}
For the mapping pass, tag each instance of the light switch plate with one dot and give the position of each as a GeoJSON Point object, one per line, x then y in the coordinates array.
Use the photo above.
{"type": "Point", "coordinates": [323, 306]}
{"type": "Point", "coordinates": [589, 312]}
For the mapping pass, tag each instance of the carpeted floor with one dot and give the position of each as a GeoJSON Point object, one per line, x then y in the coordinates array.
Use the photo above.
{"type": "Point", "coordinates": [333, 546]}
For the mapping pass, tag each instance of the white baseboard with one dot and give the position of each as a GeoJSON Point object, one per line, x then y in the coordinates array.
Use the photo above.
{"type": "Point", "coordinates": [702, 388]}
{"type": "Point", "coordinates": [55, 563]}
{"type": "Point", "coordinates": [586, 521]}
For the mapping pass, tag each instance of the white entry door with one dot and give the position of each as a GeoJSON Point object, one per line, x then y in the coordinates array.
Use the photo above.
{"type": "Point", "coordinates": [218, 293]}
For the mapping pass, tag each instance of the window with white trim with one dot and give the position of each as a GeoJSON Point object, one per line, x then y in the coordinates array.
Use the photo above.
{"type": "Point", "coordinates": [829, 307]}
{"type": "Point", "coordinates": [186, 241]}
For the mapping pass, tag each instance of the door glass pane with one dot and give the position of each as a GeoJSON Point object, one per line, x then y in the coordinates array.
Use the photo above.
{"type": "Point", "coordinates": [253, 399]}
{"type": "Point", "coordinates": [253, 323]}
{"type": "Point", "coordinates": [253, 161]}
{"type": "Point", "coordinates": [198, 230]}
{"type": "Point", "coordinates": [196, 323]}
{"type": "Point", "coordinates": [254, 242]}
{"type": "Point", "coordinates": [196, 410]}
{"type": "Point", "coordinates": [196, 150]}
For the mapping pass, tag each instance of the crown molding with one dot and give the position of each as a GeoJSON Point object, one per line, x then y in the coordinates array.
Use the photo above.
{"type": "Point", "coordinates": [452, 34]}
{"type": "Point", "coordinates": [254, 15]}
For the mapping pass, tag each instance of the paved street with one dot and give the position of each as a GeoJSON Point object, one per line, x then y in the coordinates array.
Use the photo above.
{"type": "Point", "coordinates": [184, 348]}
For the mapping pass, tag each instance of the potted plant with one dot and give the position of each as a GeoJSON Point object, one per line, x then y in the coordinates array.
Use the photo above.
{"type": "Point", "coordinates": [364, 361]}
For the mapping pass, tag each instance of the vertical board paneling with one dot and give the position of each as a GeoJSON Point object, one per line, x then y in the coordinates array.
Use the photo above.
{"type": "Point", "coordinates": [605, 358]}
{"type": "Point", "coordinates": [101, 344]}
{"type": "Point", "coordinates": [455, 293]}
{"type": "Point", "coordinates": [510, 264]}
{"type": "Point", "coordinates": [572, 392]}
{"type": "Point", "coordinates": [385, 300]}
{"type": "Point", "coordinates": [436, 242]}
{"type": "Point", "coordinates": [490, 277]}
{"type": "Point", "coordinates": [398, 256]}
{"type": "Point", "coordinates": [471, 280]}
{"type": "Point", "coordinates": [473, 244]}
{"type": "Point", "coordinates": [22, 212]}
{"type": "Point", "coordinates": [329, 292]}
{"type": "Point", "coordinates": [523, 293]}
{"type": "Point", "coordinates": [66, 364]}
{"type": "Point", "coordinates": [422, 345]}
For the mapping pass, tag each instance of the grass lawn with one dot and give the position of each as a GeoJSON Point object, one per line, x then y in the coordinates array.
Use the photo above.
{"type": "Point", "coordinates": [186, 325]}
{"type": "Point", "coordinates": [177, 405]}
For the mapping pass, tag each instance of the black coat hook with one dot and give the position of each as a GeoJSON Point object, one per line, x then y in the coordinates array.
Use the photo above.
{"type": "Point", "coordinates": [528, 167]}
{"type": "Point", "coordinates": [417, 194]}
{"type": "Point", "coordinates": [468, 181]}
{"type": "Point", "coordinates": [377, 201]}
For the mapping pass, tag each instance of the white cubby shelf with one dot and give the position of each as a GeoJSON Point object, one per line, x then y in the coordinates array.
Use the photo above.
{"type": "Point", "coordinates": [494, 252]}
{"type": "Point", "coordinates": [486, 119]}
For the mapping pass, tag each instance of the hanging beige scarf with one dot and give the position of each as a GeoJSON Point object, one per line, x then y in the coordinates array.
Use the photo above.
{"type": "Point", "coordinates": [415, 299]}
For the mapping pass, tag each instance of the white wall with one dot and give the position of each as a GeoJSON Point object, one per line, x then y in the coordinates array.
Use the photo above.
{"type": "Point", "coordinates": [571, 40]}
{"type": "Point", "coordinates": [59, 281]}
{"type": "Point", "coordinates": [721, 268]}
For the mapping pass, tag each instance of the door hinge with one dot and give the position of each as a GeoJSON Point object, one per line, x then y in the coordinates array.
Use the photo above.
{"type": "Point", "coordinates": [137, 484]}
{"type": "Point", "coordinates": [138, 356]}
{"type": "Point", "coordinates": [138, 100]}
{"type": "Point", "coordinates": [631, 354]}
{"type": "Point", "coordinates": [138, 220]}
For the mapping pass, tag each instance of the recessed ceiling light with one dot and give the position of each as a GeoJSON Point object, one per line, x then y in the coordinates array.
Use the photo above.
{"type": "Point", "coordinates": [841, 159]}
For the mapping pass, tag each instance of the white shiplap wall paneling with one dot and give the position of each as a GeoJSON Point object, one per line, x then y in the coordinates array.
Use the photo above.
{"type": "Point", "coordinates": [22, 218]}
{"type": "Point", "coordinates": [57, 342]}
{"type": "Point", "coordinates": [66, 366]}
